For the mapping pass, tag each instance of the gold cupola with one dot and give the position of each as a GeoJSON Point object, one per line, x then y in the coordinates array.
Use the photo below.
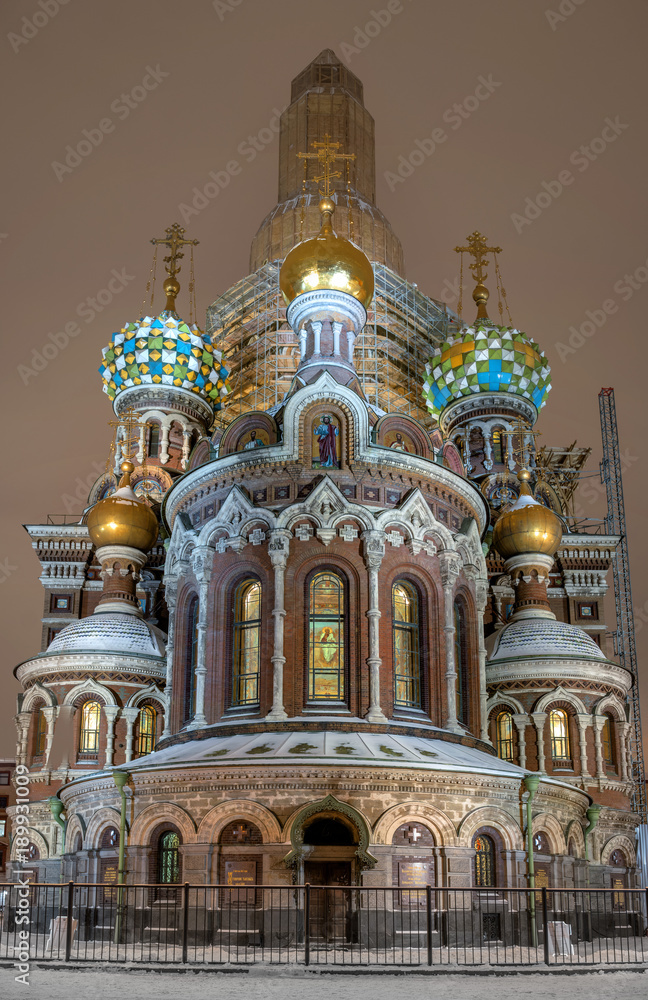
{"type": "Point", "coordinates": [327, 262]}
{"type": "Point", "coordinates": [122, 519]}
{"type": "Point", "coordinates": [528, 526]}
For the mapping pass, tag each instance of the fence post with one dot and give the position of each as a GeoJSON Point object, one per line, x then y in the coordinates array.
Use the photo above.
{"type": "Point", "coordinates": [428, 901]}
{"type": "Point", "coordinates": [307, 924]}
{"type": "Point", "coordinates": [545, 924]}
{"type": "Point", "coordinates": [185, 920]}
{"type": "Point", "coordinates": [68, 929]}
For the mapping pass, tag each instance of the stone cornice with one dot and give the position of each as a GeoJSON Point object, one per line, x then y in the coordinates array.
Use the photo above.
{"type": "Point", "coordinates": [89, 663]}
{"type": "Point", "coordinates": [556, 668]}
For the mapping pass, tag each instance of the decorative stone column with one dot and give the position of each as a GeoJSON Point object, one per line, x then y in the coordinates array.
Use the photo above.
{"type": "Point", "coordinates": [521, 722]}
{"type": "Point", "coordinates": [111, 712]}
{"type": "Point", "coordinates": [201, 561]}
{"type": "Point", "coordinates": [164, 443]}
{"type": "Point", "coordinates": [539, 720]}
{"type": "Point", "coordinates": [583, 722]}
{"type": "Point", "coordinates": [450, 566]}
{"type": "Point", "coordinates": [278, 550]}
{"type": "Point", "coordinates": [481, 595]}
{"type": "Point", "coordinates": [598, 721]}
{"type": "Point", "coordinates": [170, 594]}
{"type": "Point", "coordinates": [22, 721]}
{"type": "Point", "coordinates": [186, 446]}
{"type": "Point", "coordinates": [374, 551]}
{"type": "Point", "coordinates": [130, 715]}
{"type": "Point", "coordinates": [50, 712]}
{"type": "Point", "coordinates": [141, 450]}
{"type": "Point", "coordinates": [624, 750]}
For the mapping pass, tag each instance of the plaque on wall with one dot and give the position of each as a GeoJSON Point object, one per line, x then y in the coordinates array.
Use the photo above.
{"type": "Point", "coordinates": [239, 875]}
{"type": "Point", "coordinates": [413, 875]}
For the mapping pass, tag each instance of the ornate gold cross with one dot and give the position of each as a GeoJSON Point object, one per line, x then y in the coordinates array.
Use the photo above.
{"type": "Point", "coordinates": [327, 153]}
{"type": "Point", "coordinates": [478, 251]}
{"type": "Point", "coordinates": [174, 239]}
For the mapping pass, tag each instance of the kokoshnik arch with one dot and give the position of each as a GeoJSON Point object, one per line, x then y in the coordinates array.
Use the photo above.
{"type": "Point", "coordinates": [326, 664]}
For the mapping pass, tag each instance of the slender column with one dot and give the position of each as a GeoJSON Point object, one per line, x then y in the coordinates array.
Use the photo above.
{"type": "Point", "coordinates": [539, 719]}
{"type": "Point", "coordinates": [278, 549]}
{"type": "Point", "coordinates": [22, 725]}
{"type": "Point", "coordinates": [202, 560]}
{"type": "Point", "coordinates": [337, 329]}
{"type": "Point", "coordinates": [488, 449]}
{"type": "Point", "coordinates": [583, 722]}
{"type": "Point", "coordinates": [164, 443]}
{"type": "Point", "coordinates": [623, 729]}
{"type": "Point", "coordinates": [170, 595]}
{"type": "Point", "coordinates": [130, 714]}
{"type": "Point", "coordinates": [374, 551]}
{"type": "Point", "coordinates": [141, 451]}
{"type": "Point", "coordinates": [521, 722]}
{"type": "Point", "coordinates": [111, 712]}
{"type": "Point", "coordinates": [186, 446]}
{"type": "Point", "coordinates": [467, 461]}
{"type": "Point", "coordinates": [598, 722]}
{"type": "Point", "coordinates": [351, 336]}
{"type": "Point", "coordinates": [50, 712]}
{"type": "Point", "coordinates": [481, 595]}
{"type": "Point", "coordinates": [303, 337]}
{"type": "Point", "coordinates": [450, 565]}
{"type": "Point", "coordinates": [317, 332]}
{"type": "Point", "coordinates": [509, 449]}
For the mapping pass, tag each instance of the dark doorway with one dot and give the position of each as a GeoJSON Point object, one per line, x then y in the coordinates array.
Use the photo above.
{"type": "Point", "coordinates": [330, 907]}
{"type": "Point", "coordinates": [328, 832]}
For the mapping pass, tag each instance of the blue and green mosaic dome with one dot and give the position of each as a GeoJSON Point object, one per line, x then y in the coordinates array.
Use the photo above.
{"type": "Point", "coordinates": [486, 358]}
{"type": "Point", "coordinates": [164, 350]}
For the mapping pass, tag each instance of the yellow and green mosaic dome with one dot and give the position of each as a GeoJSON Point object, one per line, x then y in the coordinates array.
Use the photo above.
{"type": "Point", "coordinates": [486, 358]}
{"type": "Point", "coordinates": [164, 350]}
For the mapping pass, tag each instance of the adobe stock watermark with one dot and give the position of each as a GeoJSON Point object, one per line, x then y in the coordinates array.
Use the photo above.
{"type": "Point", "coordinates": [22, 919]}
{"type": "Point", "coordinates": [595, 319]}
{"type": "Point", "coordinates": [6, 569]}
{"type": "Point", "coordinates": [72, 502]}
{"type": "Point", "coordinates": [248, 149]}
{"type": "Point", "coordinates": [225, 7]}
{"type": "Point", "coordinates": [121, 107]}
{"type": "Point", "coordinates": [30, 26]}
{"type": "Point", "coordinates": [57, 341]}
{"type": "Point", "coordinates": [454, 116]}
{"type": "Point", "coordinates": [377, 21]}
{"type": "Point", "coordinates": [581, 158]}
{"type": "Point", "coordinates": [565, 10]}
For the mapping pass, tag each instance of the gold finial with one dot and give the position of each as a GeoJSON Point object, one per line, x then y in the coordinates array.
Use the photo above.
{"type": "Point", "coordinates": [326, 207]}
{"type": "Point", "coordinates": [478, 250]}
{"type": "Point", "coordinates": [127, 468]}
{"type": "Point", "coordinates": [174, 239]}
{"type": "Point", "coordinates": [524, 478]}
{"type": "Point", "coordinates": [327, 153]}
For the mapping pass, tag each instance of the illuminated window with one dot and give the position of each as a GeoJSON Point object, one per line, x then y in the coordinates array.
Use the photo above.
{"type": "Point", "coordinates": [326, 638]}
{"type": "Point", "coordinates": [607, 741]}
{"type": "Point", "coordinates": [169, 858]}
{"type": "Point", "coordinates": [504, 727]}
{"type": "Point", "coordinates": [40, 735]}
{"type": "Point", "coordinates": [498, 443]}
{"type": "Point", "coordinates": [484, 861]}
{"type": "Point", "coordinates": [541, 843]}
{"type": "Point", "coordinates": [90, 720]}
{"type": "Point", "coordinates": [191, 660]}
{"type": "Point", "coordinates": [247, 639]}
{"type": "Point", "coordinates": [146, 730]}
{"type": "Point", "coordinates": [461, 688]}
{"type": "Point", "coordinates": [154, 440]}
{"type": "Point", "coordinates": [559, 727]}
{"type": "Point", "coordinates": [407, 676]}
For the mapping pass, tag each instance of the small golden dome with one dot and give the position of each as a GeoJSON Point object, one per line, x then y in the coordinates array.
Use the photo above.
{"type": "Point", "coordinates": [327, 262]}
{"type": "Point", "coordinates": [122, 519]}
{"type": "Point", "coordinates": [527, 526]}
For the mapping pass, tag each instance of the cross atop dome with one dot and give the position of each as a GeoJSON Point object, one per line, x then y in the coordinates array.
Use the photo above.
{"type": "Point", "coordinates": [327, 152]}
{"type": "Point", "coordinates": [173, 239]}
{"type": "Point", "coordinates": [478, 251]}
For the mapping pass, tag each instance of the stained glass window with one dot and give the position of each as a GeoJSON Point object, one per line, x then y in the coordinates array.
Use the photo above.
{"type": "Point", "coordinates": [40, 733]}
{"type": "Point", "coordinates": [326, 638]}
{"type": "Point", "coordinates": [497, 447]}
{"type": "Point", "coordinates": [247, 638]}
{"type": "Point", "coordinates": [484, 861]}
{"type": "Point", "coordinates": [407, 676]}
{"type": "Point", "coordinates": [90, 719]}
{"type": "Point", "coordinates": [192, 657]}
{"type": "Point", "coordinates": [504, 726]}
{"type": "Point", "coordinates": [559, 727]}
{"type": "Point", "coordinates": [146, 730]}
{"type": "Point", "coordinates": [169, 858]}
{"type": "Point", "coordinates": [460, 663]}
{"type": "Point", "coordinates": [607, 743]}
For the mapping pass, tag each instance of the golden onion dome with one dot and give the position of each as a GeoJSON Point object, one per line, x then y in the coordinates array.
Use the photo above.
{"type": "Point", "coordinates": [327, 262]}
{"type": "Point", "coordinates": [527, 526]}
{"type": "Point", "coordinates": [122, 519]}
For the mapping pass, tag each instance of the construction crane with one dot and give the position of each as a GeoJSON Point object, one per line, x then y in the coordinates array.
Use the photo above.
{"type": "Point", "coordinates": [624, 636]}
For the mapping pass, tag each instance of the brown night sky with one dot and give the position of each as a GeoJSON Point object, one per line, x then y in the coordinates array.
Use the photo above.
{"type": "Point", "coordinates": [554, 81]}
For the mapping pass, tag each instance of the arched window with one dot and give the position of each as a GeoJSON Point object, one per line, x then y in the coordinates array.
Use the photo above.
{"type": "Point", "coordinates": [484, 861]}
{"type": "Point", "coordinates": [169, 858]}
{"type": "Point", "coordinates": [498, 447]}
{"type": "Point", "coordinates": [504, 735]}
{"type": "Point", "coordinates": [326, 638]}
{"type": "Point", "coordinates": [40, 733]}
{"type": "Point", "coordinates": [154, 440]}
{"type": "Point", "coordinates": [109, 838]}
{"type": "Point", "coordinates": [541, 843]}
{"type": "Point", "coordinates": [190, 662]}
{"type": "Point", "coordinates": [461, 687]}
{"type": "Point", "coordinates": [146, 730]}
{"type": "Point", "coordinates": [607, 740]}
{"type": "Point", "coordinates": [559, 728]}
{"type": "Point", "coordinates": [90, 721]}
{"type": "Point", "coordinates": [405, 629]}
{"type": "Point", "coordinates": [618, 859]}
{"type": "Point", "coordinates": [247, 640]}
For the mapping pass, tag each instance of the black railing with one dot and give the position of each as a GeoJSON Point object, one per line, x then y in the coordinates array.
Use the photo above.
{"type": "Point", "coordinates": [323, 925]}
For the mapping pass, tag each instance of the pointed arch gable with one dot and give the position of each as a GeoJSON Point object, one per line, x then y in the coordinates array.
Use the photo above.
{"type": "Point", "coordinates": [294, 828]}
{"type": "Point", "coordinates": [162, 812]}
{"type": "Point", "coordinates": [437, 821]}
{"type": "Point", "coordinates": [90, 687]}
{"type": "Point", "coordinates": [611, 703]}
{"type": "Point", "coordinates": [507, 827]}
{"type": "Point", "coordinates": [560, 694]}
{"type": "Point", "coordinates": [151, 691]}
{"type": "Point", "coordinates": [36, 692]}
{"type": "Point", "coordinates": [504, 698]}
{"type": "Point", "coordinates": [221, 815]}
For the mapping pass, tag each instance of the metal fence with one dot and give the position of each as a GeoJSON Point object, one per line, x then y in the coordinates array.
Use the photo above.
{"type": "Point", "coordinates": [323, 925]}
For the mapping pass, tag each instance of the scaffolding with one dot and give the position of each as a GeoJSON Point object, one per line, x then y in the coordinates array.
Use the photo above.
{"type": "Point", "coordinates": [561, 468]}
{"type": "Point", "coordinates": [261, 352]}
{"type": "Point", "coordinates": [624, 635]}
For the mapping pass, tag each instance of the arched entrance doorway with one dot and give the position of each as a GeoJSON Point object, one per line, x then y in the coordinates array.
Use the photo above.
{"type": "Point", "coordinates": [329, 852]}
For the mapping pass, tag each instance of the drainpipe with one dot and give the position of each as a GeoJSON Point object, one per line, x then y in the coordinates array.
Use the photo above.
{"type": "Point", "coordinates": [121, 780]}
{"type": "Point", "coordinates": [592, 815]}
{"type": "Point", "coordinates": [56, 809]}
{"type": "Point", "coordinates": [531, 781]}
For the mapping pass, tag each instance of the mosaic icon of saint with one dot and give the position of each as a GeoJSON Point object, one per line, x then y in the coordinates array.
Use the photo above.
{"type": "Point", "coordinates": [326, 433]}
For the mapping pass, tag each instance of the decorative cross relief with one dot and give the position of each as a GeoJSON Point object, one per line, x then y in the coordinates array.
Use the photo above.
{"type": "Point", "coordinates": [413, 834]}
{"type": "Point", "coordinates": [221, 545]}
{"type": "Point", "coordinates": [303, 532]}
{"type": "Point", "coordinates": [240, 833]}
{"type": "Point", "coordinates": [394, 538]}
{"type": "Point", "coordinates": [257, 536]}
{"type": "Point", "coordinates": [348, 533]}
{"type": "Point", "coordinates": [415, 546]}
